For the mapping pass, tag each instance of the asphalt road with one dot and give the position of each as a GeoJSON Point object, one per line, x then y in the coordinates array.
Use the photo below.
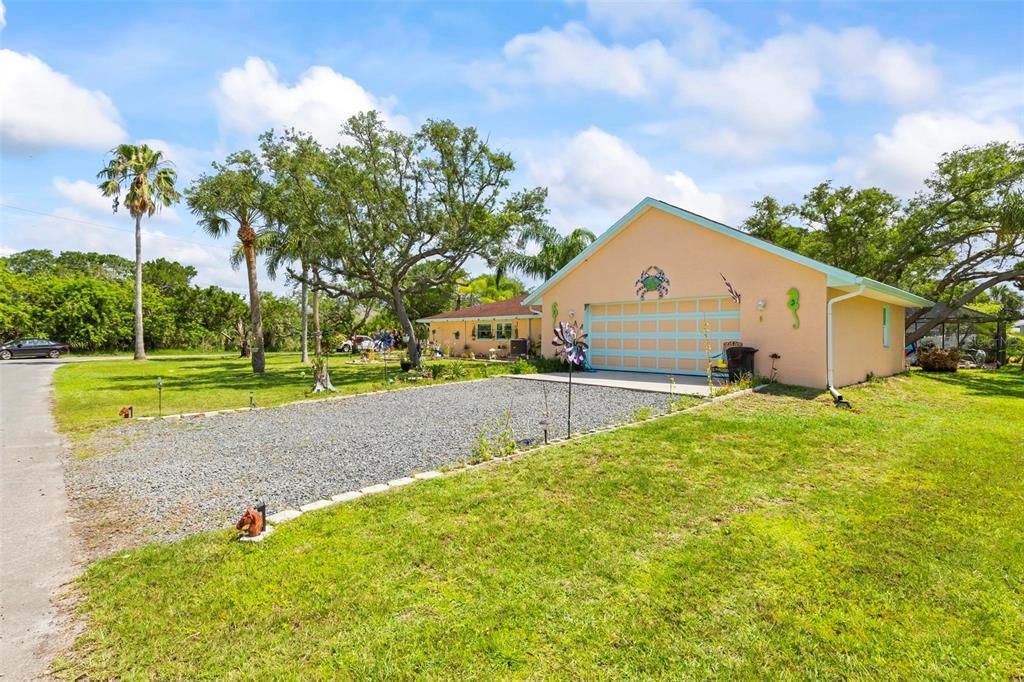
{"type": "Point", "coordinates": [36, 550]}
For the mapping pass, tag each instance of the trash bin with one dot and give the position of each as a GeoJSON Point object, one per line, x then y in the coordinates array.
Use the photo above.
{"type": "Point", "coordinates": [740, 360]}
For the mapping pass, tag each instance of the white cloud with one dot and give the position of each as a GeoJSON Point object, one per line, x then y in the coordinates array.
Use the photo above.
{"type": "Point", "coordinates": [83, 194]}
{"type": "Point", "coordinates": [86, 196]}
{"type": "Point", "coordinates": [768, 97]}
{"type": "Point", "coordinates": [3, 16]}
{"type": "Point", "coordinates": [188, 161]}
{"type": "Point", "coordinates": [901, 159]}
{"type": "Point", "coordinates": [252, 97]}
{"type": "Point", "coordinates": [595, 177]}
{"type": "Point", "coordinates": [574, 58]}
{"type": "Point", "coordinates": [44, 108]}
{"type": "Point", "coordinates": [696, 32]}
{"type": "Point", "coordinates": [751, 102]}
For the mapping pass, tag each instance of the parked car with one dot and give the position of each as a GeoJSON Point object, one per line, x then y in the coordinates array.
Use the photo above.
{"type": "Point", "coordinates": [32, 348]}
{"type": "Point", "coordinates": [357, 344]}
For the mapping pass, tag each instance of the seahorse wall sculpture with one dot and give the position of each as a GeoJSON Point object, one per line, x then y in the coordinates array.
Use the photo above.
{"type": "Point", "coordinates": [554, 313]}
{"type": "Point", "coordinates": [794, 305]}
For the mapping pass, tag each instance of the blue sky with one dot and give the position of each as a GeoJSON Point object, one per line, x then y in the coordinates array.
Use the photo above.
{"type": "Point", "coordinates": [709, 106]}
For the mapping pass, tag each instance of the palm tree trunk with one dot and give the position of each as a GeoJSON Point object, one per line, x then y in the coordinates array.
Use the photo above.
{"type": "Point", "coordinates": [305, 314]}
{"type": "Point", "coordinates": [140, 344]}
{"type": "Point", "coordinates": [247, 235]}
{"type": "Point", "coordinates": [317, 344]}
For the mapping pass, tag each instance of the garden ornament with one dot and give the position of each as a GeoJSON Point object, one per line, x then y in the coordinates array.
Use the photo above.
{"type": "Point", "coordinates": [126, 412]}
{"type": "Point", "coordinates": [571, 342]}
{"type": "Point", "coordinates": [251, 523]}
{"type": "Point", "coordinates": [793, 303]}
{"type": "Point", "coordinates": [652, 279]}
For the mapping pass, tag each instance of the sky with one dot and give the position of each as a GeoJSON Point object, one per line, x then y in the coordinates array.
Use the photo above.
{"type": "Point", "coordinates": [707, 106]}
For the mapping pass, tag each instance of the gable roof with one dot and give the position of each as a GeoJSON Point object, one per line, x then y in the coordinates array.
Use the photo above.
{"type": "Point", "coordinates": [509, 308]}
{"type": "Point", "coordinates": [836, 277]}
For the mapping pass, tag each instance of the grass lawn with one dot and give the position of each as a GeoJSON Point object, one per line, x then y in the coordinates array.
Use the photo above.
{"type": "Point", "coordinates": [89, 394]}
{"type": "Point", "coordinates": [772, 536]}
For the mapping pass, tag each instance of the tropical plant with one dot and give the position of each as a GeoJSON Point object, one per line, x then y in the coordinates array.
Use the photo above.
{"type": "Point", "coordinates": [238, 191]}
{"type": "Point", "coordinates": [555, 252]}
{"type": "Point", "coordinates": [146, 181]}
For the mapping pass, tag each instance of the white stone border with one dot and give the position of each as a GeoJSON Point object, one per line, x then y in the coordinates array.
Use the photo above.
{"type": "Point", "coordinates": [289, 514]}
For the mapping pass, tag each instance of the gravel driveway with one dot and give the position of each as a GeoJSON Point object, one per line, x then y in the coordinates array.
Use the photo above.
{"type": "Point", "coordinates": [204, 471]}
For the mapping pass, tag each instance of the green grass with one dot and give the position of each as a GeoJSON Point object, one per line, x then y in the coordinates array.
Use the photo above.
{"type": "Point", "coordinates": [773, 536]}
{"type": "Point", "coordinates": [89, 394]}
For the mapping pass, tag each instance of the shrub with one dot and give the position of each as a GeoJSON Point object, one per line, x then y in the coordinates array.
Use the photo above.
{"type": "Point", "coordinates": [938, 359]}
{"type": "Point", "coordinates": [455, 369]}
{"type": "Point", "coordinates": [548, 364]}
{"type": "Point", "coordinates": [521, 366]}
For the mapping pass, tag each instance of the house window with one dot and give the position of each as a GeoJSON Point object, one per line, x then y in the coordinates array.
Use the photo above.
{"type": "Point", "coordinates": [886, 315]}
{"type": "Point", "coordinates": [505, 330]}
{"type": "Point", "coordinates": [484, 331]}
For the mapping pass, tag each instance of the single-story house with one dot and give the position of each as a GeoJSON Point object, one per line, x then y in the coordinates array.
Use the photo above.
{"type": "Point", "coordinates": [500, 329]}
{"type": "Point", "coordinates": [663, 283]}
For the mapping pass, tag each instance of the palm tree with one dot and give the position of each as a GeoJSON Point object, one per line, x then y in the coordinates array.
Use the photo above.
{"type": "Point", "coordinates": [292, 159]}
{"type": "Point", "coordinates": [147, 180]}
{"type": "Point", "coordinates": [556, 251]}
{"type": "Point", "coordinates": [238, 192]}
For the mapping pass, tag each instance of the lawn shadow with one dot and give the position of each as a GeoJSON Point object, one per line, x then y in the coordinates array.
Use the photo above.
{"type": "Point", "coordinates": [790, 391]}
{"type": "Point", "coordinates": [998, 383]}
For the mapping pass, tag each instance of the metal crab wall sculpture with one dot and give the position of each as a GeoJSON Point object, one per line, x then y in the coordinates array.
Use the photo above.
{"type": "Point", "coordinates": [652, 279]}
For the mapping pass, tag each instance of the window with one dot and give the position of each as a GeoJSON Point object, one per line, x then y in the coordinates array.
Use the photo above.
{"type": "Point", "coordinates": [886, 314]}
{"type": "Point", "coordinates": [484, 331]}
{"type": "Point", "coordinates": [505, 330]}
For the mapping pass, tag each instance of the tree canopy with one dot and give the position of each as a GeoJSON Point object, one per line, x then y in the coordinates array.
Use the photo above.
{"type": "Point", "coordinates": [403, 213]}
{"type": "Point", "coordinates": [958, 238]}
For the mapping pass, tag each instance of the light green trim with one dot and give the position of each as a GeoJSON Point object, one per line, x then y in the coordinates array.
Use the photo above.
{"type": "Point", "coordinates": [886, 323]}
{"type": "Point", "coordinates": [837, 277]}
{"type": "Point", "coordinates": [912, 299]}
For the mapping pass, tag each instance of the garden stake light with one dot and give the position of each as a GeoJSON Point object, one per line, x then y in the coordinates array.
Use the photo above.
{"type": "Point", "coordinates": [160, 396]}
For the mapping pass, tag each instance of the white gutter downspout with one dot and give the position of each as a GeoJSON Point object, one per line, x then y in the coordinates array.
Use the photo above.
{"type": "Point", "coordinates": [837, 397]}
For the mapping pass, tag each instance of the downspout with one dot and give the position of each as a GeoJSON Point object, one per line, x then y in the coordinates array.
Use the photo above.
{"type": "Point", "coordinates": [837, 397]}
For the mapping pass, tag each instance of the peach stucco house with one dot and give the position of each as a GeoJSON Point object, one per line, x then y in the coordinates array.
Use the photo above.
{"type": "Point", "coordinates": [497, 329]}
{"type": "Point", "coordinates": [655, 287]}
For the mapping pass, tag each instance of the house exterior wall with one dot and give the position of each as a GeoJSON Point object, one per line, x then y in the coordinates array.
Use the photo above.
{"type": "Point", "coordinates": [858, 344]}
{"type": "Point", "coordinates": [443, 333]}
{"type": "Point", "coordinates": [693, 258]}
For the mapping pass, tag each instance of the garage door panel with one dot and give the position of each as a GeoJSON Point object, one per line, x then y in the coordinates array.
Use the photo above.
{"type": "Point", "coordinates": [661, 336]}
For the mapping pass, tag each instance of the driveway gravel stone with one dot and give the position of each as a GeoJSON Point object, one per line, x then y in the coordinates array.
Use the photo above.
{"type": "Point", "coordinates": [207, 470]}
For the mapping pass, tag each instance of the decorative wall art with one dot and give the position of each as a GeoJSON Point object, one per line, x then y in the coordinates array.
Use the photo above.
{"type": "Point", "coordinates": [761, 304]}
{"type": "Point", "coordinates": [650, 280]}
{"type": "Point", "coordinates": [793, 303]}
{"type": "Point", "coordinates": [731, 289]}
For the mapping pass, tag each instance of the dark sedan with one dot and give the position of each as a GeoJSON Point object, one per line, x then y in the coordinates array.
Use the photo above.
{"type": "Point", "coordinates": [32, 348]}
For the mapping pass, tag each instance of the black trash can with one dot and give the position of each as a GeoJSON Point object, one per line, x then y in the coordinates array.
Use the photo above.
{"type": "Point", "coordinates": [740, 360]}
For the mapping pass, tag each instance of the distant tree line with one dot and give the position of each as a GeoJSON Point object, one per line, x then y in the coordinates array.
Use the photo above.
{"type": "Point", "coordinates": [87, 301]}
